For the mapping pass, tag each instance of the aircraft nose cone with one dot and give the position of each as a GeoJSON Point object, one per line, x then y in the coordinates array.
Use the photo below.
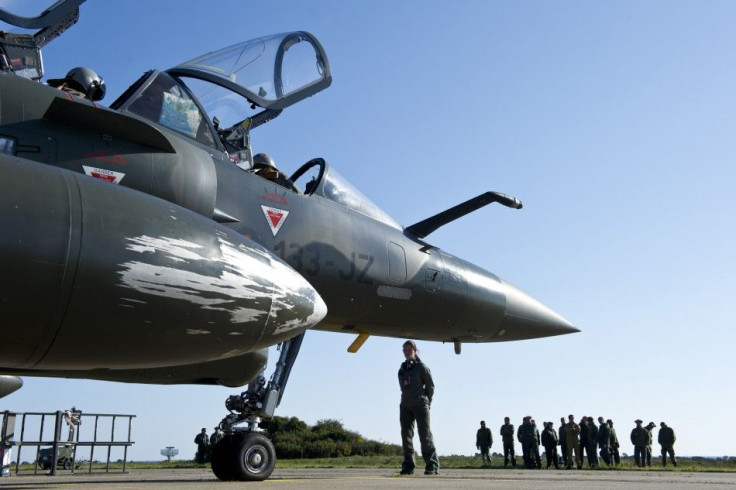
{"type": "Point", "coordinates": [527, 318]}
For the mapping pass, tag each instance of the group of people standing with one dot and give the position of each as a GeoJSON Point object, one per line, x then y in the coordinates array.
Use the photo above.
{"type": "Point", "coordinates": [575, 441]}
{"type": "Point", "coordinates": [205, 444]}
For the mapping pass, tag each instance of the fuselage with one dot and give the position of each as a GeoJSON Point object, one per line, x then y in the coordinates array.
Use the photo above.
{"type": "Point", "coordinates": [374, 277]}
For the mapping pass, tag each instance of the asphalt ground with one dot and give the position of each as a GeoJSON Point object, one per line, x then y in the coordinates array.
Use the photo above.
{"type": "Point", "coordinates": [321, 479]}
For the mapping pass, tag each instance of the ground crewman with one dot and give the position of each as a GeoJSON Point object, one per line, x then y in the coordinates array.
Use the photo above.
{"type": "Point", "coordinates": [666, 439]}
{"type": "Point", "coordinates": [640, 439]}
{"type": "Point", "coordinates": [484, 441]}
{"type": "Point", "coordinates": [507, 435]}
{"type": "Point", "coordinates": [572, 432]}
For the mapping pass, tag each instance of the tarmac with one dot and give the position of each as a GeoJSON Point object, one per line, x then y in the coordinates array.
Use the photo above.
{"type": "Point", "coordinates": [322, 479]}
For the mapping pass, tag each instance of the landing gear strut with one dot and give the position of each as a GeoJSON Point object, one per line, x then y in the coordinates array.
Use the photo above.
{"type": "Point", "coordinates": [244, 453]}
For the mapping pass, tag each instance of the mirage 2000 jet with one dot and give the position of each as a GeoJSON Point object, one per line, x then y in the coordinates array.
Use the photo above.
{"type": "Point", "coordinates": [144, 242]}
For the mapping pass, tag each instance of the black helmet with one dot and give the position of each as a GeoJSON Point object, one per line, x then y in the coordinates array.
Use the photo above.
{"type": "Point", "coordinates": [262, 160]}
{"type": "Point", "coordinates": [84, 80]}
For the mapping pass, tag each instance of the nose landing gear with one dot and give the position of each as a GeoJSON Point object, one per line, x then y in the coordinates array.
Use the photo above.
{"type": "Point", "coordinates": [244, 453]}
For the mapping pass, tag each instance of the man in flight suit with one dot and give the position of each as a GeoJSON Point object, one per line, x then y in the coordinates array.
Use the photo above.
{"type": "Point", "coordinates": [507, 433]}
{"type": "Point", "coordinates": [484, 441]}
{"type": "Point", "coordinates": [604, 440]}
{"type": "Point", "coordinates": [202, 441]}
{"type": "Point", "coordinates": [549, 441]}
{"type": "Point", "coordinates": [615, 457]}
{"type": "Point", "coordinates": [666, 439]}
{"type": "Point", "coordinates": [592, 443]}
{"type": "Point", "coordinates": [583, 442]}
{"type": "Point", "coordinates": [639, 438]}
{"type": "Point", "coordinates": [563, 440]}
{"type": "Point", "coordinates": [417, 389]}
{"type": "Point", "coordinates": [650, 440]}
{"type": "Point", "coordinates": [572, 431]}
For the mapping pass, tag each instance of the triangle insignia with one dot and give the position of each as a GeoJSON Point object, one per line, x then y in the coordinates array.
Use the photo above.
{"type": "Point", "coordinates": [275, 217]}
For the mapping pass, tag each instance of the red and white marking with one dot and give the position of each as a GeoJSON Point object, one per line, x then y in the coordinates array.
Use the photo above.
{"type": "Point", "coordinates": [275, 217]}
{"type": "Point", "coordinates": [103, 174]}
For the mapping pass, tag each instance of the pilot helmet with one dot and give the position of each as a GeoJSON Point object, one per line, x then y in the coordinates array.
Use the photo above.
{"type": "Point", "coordinates": [84, 80]}
{"type": "Point", "coordinates": [262, 160]}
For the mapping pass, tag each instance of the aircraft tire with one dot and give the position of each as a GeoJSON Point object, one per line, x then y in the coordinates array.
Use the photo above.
{"type": "Point", "coordinates": [255, 457]}
{"type": "Point", "coordinates": [222, 461]}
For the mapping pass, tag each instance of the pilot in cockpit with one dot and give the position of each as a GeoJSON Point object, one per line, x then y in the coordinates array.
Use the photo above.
{"type": "Point", "coordinates": [82, 82]}
{"type": "Point", "coordinates": [264, 166]}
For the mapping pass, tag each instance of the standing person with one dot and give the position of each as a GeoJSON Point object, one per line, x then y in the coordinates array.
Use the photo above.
{"type": "Point", "coordinates": [535, 442]}
{"type": "Point", "coordinates": [202, 441]}
{"type": "Point", "coordinates": [521, 435]}
{"type": "Point", "coordinates": [216, 436]}
{"type": "Point", "coordinates": [484, 441]}
{"type": "Point", "coordinates": [592, 443]}
{"type": "Point", "coordinates": [604, 440]}
{"type": "Point", "coordinates": [614, 444]}
{"type": "Point", "coordinates": [417, 390]}
{"type": "Point", "coordinates": [666, 439]}
{"type": "Point", "coordinates": [639, 438]}
{"type": "Point", "coordinates": [549, 441]}
{"type": "Point", "coordinates": [563, 441]}
{"type": "Point", "coordinates": [528, 435]}
{"type": "Point", "coordinates": [507, 434]}
{"type": "Point", "coordinates": [584, 439]}
{"type": "Point", "coordinates": [650, 440]}
{"type": "Point", "coordinates": [572, 431]}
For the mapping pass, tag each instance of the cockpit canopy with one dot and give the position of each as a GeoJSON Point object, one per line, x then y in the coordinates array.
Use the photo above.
{"type": "Point", "coordinates": [243, 86]}
{"type": "Point", "coordinates": [271, 72]}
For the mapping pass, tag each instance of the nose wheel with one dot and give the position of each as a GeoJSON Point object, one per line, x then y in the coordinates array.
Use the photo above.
{"type": "Point", "coordinates": [245, 454]}
{"type": "Point", "coordinates": [244, 457]}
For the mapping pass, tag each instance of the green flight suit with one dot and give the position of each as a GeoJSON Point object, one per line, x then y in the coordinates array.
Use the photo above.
{"type": "Point", "coordinates": [650, 441]}
{"type": "Point", "coordinates": [640, 439]}
{"type": "Point", "coordinates": [417, 389]}
{"type": "Point", "coordinates": [572, 432]}
{"type": "Point", "coordinates": [484, 441]}
{"type": "Point", "coordinates": [507, 434]}
{"type": "Point", "coordinates": [615, 457]}
{"type": "Point", "coordinates": [666, 439]}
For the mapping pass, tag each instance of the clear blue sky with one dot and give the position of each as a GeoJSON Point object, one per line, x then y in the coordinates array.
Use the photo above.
{"type": "Point", "coordinates": [613, 121]}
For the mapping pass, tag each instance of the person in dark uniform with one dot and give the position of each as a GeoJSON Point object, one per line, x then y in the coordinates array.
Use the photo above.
{"type": "Point", "coordinates": [549, 441]}
{"type": "Point", "coordinates": [604, 441]}
{"type": "Point", "coordinates": [216, 436]}
{"type": "Point", "coordinates": [639, 438]}
{"type": "Point", "coordinates": [202, 441]}
{"type": "Point", "coordinates": [484, 441]}
{"type": "Point", "coordinates": [666, 439]}
{"type": "Point", "coordinates": [563, 440]}
{"type": "Point", "coordinates": [507, 434]}
{"type": "Point", "coordinates": [615, 457]}
{"type": "Point", "coordinates": [592, 443]}
{"type": "Point", "coordinates": [417, 390]}
{"type": "Point", "coordinates": [528, 436]}
{"type": "Point", "coordinates": [583, 442]}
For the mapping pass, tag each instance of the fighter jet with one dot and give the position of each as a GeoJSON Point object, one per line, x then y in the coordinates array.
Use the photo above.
{"type": "Point", "coordinates": [145, 242]}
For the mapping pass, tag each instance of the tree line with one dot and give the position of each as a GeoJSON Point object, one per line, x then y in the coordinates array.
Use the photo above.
{"type": "Point", "coordinates": [295, 439]}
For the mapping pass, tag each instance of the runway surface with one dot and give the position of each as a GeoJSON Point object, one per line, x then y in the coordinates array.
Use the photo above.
{"type": "Point", "coordinates": [322, 479]}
